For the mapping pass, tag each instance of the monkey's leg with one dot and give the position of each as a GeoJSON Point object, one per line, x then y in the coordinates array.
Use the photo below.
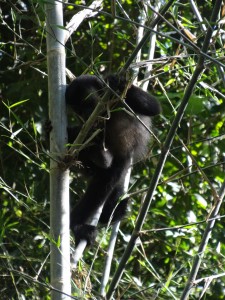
{"type": "Point", "coordinates": [98, 191]}
{"type": "Point", "coordinates": [114, 210]}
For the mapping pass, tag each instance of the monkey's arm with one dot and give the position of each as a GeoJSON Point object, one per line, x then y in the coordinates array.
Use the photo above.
{"type": "Point", "coordinates": [94, 155]}
{"type": "Point", "coordinates": [139, 101]}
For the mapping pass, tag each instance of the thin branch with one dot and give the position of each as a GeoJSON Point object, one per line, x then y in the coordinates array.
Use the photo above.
{"type": "Point", "coordinates": [151, 51]}
{"type": "Point", "coordinates": [206, 235]}
{"type": "Point", "coordinates": [178, 227]}
{"type": "Point", "coordinates": [77, 19]}
{"type": "Point", "coordinates": [209, 277]}
{"type": "Point", "coordinates": [109, 257]}
{"type": "Point", "coordinates": [112, 243]}
{"type": "Point", "coordinates": [140, 32]}
{"type": "Point", "coordinates": [198, 15]}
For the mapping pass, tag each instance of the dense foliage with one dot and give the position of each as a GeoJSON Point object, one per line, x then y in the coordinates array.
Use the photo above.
{"type": "Point", "coordinates": [193, 173]}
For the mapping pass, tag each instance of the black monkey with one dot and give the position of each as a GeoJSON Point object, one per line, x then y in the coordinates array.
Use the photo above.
{"type": "Point", "coordinates": [123, 138]}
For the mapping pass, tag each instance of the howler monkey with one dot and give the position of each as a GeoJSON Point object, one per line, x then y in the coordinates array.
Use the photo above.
{"type": "Point", "coordinates": [123, 137]}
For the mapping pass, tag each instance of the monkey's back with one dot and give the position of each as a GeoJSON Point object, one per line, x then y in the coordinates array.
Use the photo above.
{"type": "Point", "coordinates": [126, 135]}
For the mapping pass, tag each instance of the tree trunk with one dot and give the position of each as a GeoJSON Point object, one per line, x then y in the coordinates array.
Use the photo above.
{"type": "Point", "coordinates": [59, 176]}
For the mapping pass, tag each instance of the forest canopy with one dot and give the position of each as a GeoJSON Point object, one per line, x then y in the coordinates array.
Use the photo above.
{"type": "Point", "coordinates": [192, 178]}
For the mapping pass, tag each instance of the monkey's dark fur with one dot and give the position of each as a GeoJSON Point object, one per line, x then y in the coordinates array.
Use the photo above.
{"type": "Point", "coordinates": [109, 156]}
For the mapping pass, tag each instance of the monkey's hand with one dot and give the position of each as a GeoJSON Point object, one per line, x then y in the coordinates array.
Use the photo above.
{"type": "Point", "coordinates": [117, 84]}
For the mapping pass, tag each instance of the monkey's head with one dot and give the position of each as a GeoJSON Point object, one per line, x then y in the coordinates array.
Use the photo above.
{"type": "Point", "coordinates": [83, 94]}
